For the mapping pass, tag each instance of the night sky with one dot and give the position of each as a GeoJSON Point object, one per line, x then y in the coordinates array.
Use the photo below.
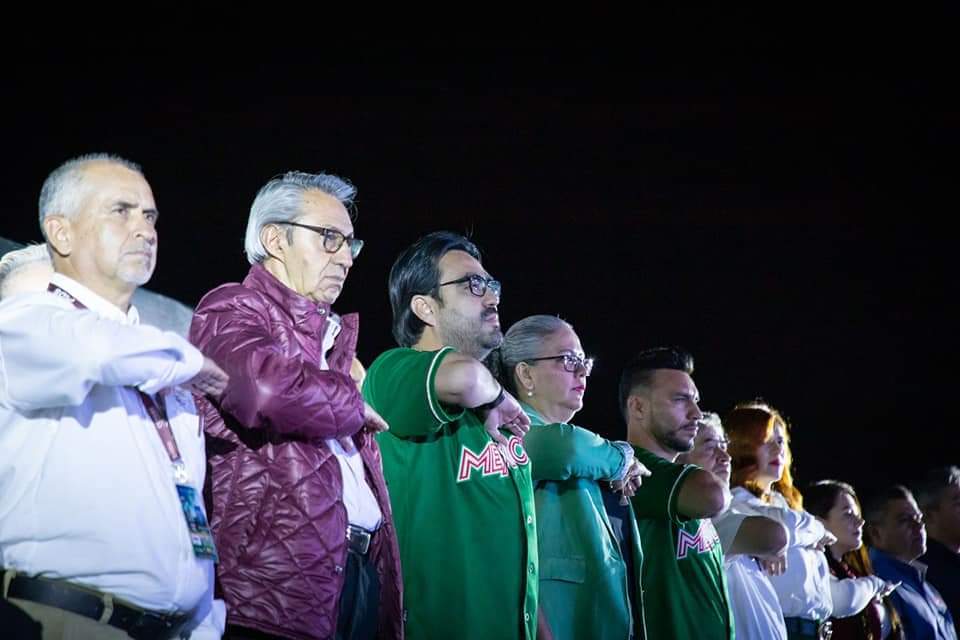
{"type": "Point", "coordinates": [783, 217]}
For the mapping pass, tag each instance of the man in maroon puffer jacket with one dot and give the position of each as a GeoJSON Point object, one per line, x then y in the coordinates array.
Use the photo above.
{"type": "Point", "coordinates": [301, 513]}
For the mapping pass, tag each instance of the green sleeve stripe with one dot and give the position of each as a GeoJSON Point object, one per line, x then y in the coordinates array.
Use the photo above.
{"type": "Point", "coordinates": [675, 489]}
{"type": "Point", "coordinates": [442, 416]}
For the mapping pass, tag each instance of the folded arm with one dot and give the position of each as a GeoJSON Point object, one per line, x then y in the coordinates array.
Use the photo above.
{"type": "Point", "coordinates": [271, 390]}
{"type": "Point", "coordinates": [563, 451]}
{"type": "Point", "coordinates": [52, 356]}
{"type": "Point", "coordinates": [759, 536]}
{"type": "Point", "coordinates": [702, 495]}
{"type": "Point", "coordinates": [465, 382]}
{"type": "Point", "coordinates": [852, 595]}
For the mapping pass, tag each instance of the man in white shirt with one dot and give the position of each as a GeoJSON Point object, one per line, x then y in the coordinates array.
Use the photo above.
{"type": "Point", "coordinates": [102, 533]}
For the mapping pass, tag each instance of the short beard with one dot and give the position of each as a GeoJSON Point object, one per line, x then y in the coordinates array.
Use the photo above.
{"type": "Point", "coordinates": [137, 277]}
{"type": "Point", "coordinates": [469, 338]}
{"type": "Point", "coordinates": [491, 341]}
{"type": "Point", "coordinates": [672, 442]}
{"type": "Point", "coordinates": [476, 344]}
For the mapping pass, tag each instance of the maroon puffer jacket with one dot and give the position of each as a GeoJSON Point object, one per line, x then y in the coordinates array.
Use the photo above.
{"type": "Point", "coordinates": [278, 513]}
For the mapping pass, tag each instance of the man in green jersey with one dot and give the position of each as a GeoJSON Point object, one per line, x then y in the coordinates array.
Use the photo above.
{"type": "Point", "coordinates": [684, 587]}
{"type": "Point", "coordinates": [460, 487]}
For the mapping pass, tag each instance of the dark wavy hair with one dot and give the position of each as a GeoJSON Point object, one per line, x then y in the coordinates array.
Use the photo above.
{"type": "Point", "coordinates": [416, 271]}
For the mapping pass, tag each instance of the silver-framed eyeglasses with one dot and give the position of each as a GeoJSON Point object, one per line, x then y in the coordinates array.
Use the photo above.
{"type": "Point", "coordinates": [332, 239]}
{"type": "Point", "coordinates": [571, 362]}
{"type": "Point", "coordinates": [478, 284]}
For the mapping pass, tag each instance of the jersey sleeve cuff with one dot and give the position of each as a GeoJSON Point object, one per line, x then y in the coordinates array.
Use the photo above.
{"type": "Point", "coordinates": [436, 408]}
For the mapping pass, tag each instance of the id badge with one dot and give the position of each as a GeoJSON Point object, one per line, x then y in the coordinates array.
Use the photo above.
{"type": "Point", "coordinates": [200, 535]}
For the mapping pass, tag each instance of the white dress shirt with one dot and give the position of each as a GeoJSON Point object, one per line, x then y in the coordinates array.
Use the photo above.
{"type": "Point", "coordinates": [753, 601]}
{"type": "Point", "coordinates": [362, 508]}
{"type": "Point", "coordinates": [86, 487]}
{"type": "Point", "coordinates": [807, 589]}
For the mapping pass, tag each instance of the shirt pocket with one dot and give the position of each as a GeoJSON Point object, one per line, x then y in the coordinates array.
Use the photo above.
{"type": "Point", "coordinates": [563, 569]}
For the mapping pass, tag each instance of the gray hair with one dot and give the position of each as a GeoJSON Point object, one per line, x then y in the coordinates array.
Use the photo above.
{"type": "Point", "coordinates": [281, 200]}
{"type": "Point", "coordinates": [17, 259]}
{"type": "Point", "coordinates": [64, 187]}
{"type": "Point", "coordinates": [712, 419]}
{"type": "Point", "coordinates": [522, 341]}
{"type": "Point", "coordinates": [929, 488]}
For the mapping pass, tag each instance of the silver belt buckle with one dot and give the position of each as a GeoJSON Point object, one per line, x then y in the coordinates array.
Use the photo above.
{"type": "Point", "coordinates": [359, 539]}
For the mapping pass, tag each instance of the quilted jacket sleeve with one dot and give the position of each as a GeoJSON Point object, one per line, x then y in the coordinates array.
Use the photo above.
{"type": "Point", "coordinates": [269, 388]}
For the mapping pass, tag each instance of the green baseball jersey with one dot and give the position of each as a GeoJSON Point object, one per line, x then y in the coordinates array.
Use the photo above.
{"type": "Point", "coordinates": [464, 515]}
{"type": "Point", "coordinates": [684, 585]}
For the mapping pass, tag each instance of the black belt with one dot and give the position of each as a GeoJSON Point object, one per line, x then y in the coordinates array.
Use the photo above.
{"type": "Point", "coordinates": [358, 539]}
{"type": "Point", "coordinates": [138, 623]}
{"type": "Point", "coordinates": [809, 628]}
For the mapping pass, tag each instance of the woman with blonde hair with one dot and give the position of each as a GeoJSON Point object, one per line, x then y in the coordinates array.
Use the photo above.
{"type": "Point", "coordinates": [761, 460]}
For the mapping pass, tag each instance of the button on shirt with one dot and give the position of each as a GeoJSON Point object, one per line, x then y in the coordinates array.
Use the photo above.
{"type": "Point", "coordinates": [358, 499]}
{"type": "Point", "coordinates": [86, 487]}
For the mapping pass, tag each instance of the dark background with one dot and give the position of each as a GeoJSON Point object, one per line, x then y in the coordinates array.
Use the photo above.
{"type": "Point", "coordinates": [785, 214]}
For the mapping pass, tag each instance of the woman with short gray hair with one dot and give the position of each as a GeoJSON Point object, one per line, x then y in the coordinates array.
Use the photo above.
{"type": "Point", "coordinates": [585, 588]}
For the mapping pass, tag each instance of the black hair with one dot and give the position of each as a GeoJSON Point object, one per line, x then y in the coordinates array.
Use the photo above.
{"type": "Point", "coordinates": [820, 496]}
{"type": "Point", "coordinates": [875, 504]}
{"type": "Point", "coordinates": [416, 271]}
{"type": "Point", "coordinates": [639, 371]}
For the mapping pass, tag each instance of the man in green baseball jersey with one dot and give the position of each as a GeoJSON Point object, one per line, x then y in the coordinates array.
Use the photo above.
{"type": "Point", "coordinates": [458, 475]}
{"type": "Point", "coordinates": [684, 586]}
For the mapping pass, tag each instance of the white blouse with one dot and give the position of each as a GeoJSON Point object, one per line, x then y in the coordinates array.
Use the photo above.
{"type": "Point", "coordinates": [807, 589]}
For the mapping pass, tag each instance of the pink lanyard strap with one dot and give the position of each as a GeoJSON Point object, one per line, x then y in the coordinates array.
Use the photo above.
{"type": "Point", "coordinates": [156, 411]}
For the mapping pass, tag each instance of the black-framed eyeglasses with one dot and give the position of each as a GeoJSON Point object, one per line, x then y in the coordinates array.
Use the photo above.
{"type": "Point", "coordinates": [332, 239]}
{"type": "Point", "coordinates": [571, 362]}
{"type": "Point", "coordinates": [478, 284]}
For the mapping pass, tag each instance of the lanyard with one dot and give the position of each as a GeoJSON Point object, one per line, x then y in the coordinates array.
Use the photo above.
{"type": "Point", "coordinates": [156, 411]}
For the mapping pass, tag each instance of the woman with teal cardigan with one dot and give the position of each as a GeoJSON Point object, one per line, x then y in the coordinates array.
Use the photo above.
{"type": "Point", "coordinates": [584, 584]}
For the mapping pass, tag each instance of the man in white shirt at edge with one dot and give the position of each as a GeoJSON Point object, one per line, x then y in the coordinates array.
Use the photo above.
{"type": "Point", "coordinates": [93, 539]}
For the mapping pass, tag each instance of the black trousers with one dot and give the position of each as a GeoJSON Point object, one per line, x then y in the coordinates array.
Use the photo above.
{"type": "Point", "coordinates": [359, 600]}
{"type": "Point", "coordinates": [359, 605]}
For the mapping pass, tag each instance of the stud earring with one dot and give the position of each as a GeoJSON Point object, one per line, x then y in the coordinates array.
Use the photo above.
{"type": "Point", "coordinates": [529, 394]}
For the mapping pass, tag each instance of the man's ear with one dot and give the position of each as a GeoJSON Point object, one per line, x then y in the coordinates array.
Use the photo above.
{"type": "Point", "coordinates": [273, 239]}
{"type": "Point", "coordinates": [874, 533]}
{"type": "Point", "coordinates": [636, 406]}
{"type": "Point", "coordinates": [59, 234]}
{"type": "Point", "coordinates": [425, 308]}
